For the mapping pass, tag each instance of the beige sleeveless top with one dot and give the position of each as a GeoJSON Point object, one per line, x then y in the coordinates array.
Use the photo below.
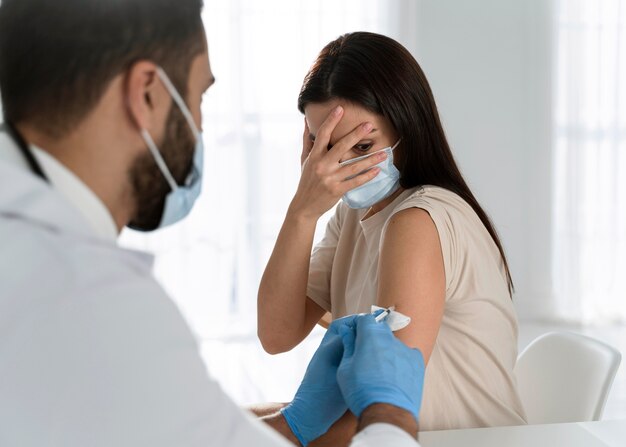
{"type": "Point", "coordinates": [469, 379]}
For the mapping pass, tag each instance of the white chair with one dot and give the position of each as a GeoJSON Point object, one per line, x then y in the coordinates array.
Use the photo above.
{"type": "Point", "coordinates": [565, 377]}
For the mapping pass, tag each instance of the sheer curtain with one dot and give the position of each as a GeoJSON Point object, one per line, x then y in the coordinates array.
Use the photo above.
{"type": "Point", "coordinates": [212, 263]}
{"type": "Point", "coordinates": [590, 160]}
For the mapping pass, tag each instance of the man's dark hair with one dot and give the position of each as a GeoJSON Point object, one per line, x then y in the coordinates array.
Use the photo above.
{"type": "Point", "coordinates": [57, 57]}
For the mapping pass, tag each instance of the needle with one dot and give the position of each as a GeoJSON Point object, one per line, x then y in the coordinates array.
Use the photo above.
{"type": "Point", "coordinates": [382, 315]}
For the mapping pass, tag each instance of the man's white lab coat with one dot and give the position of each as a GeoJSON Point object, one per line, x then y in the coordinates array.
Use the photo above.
{"type": "Point", "coordinates": [92, 351]}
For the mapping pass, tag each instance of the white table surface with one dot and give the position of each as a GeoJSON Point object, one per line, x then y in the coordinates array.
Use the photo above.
{"type": "Point", "coordinates": [581, 434]}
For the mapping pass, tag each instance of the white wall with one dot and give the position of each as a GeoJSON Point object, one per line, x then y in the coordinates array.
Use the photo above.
{"type": "Point", "coordinates": [489, 64]}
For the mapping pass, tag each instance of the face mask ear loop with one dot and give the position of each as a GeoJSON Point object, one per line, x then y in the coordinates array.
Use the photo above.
{"type": "Point", "coordinates": [159, 159]}
{"type": "Point", "coordinates": [179, 101]}
{"type": "Point", "coordinates": [363, 157]}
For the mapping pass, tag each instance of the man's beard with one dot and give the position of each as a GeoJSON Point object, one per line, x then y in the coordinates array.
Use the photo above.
{"type": "Point", "coordinates": [149, 185]}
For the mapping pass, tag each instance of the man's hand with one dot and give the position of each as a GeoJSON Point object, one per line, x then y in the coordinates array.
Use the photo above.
{"type": "Point", "coordinates": [377, 368]}
{"type": "Point", "coordinates": [318, 403]}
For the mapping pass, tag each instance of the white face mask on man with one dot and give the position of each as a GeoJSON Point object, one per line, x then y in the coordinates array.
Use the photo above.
{"type": "Point", "coordinates": [181, 198]}
{"type": "Point", "coordinates": [380, 187]}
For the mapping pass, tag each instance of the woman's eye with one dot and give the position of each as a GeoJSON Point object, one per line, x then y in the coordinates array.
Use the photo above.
{"type": "Point", "coordinates": [363, 147]}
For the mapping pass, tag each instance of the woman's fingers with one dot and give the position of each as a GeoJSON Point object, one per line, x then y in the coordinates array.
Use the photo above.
{"type": "Point", "coordinates": [346, 143]}
{"type": "Point", "coordinates": [322, 139]}
{"type": "Point", "coordinates": [307, 143]}
{"type": "Point", "coordinates": [359, 180]}
{"type": "Point", "coordinates": [351, 170]}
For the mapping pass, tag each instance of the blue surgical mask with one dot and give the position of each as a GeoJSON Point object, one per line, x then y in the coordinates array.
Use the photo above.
{"type": "Point", "coordinates": [181, 198]}
{"type": "Point", "coordinates": [380, 187]}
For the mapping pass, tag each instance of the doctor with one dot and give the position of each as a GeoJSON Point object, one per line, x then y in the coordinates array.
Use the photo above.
{"type": "Point", "coordinates": [102, 130]}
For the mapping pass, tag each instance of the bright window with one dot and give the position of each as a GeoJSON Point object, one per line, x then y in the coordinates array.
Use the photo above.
{"type": "Point", "coordinates": [590, 160]}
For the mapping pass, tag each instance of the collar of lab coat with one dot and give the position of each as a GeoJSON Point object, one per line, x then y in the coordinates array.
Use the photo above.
{"type": "Point", "coordinates": [25, 196]}
{"type": "Point", "coordinates": [94, 214]}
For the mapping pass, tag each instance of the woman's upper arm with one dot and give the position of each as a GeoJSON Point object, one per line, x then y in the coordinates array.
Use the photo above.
{"type": "Point", "coordinates": [412, 276]}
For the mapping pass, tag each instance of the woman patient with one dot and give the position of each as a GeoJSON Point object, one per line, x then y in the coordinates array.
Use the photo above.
{"type": "Point", "coordinates": [408, 232]}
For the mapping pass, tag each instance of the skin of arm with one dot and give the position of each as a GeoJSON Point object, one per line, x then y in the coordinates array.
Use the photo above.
{"type": "Point", "coordinates": [376, 413]}
{"type": "Point", "coordinates": [278, 423]}
{"type": "Point", "coordinates": [283, 323]}
{"type": "Point", "coordinates": [388, 414]}
{"type": "Point", "coordinates": [411, 278]}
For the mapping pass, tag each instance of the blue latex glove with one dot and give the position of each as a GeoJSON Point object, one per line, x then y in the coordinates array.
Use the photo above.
{"type": "Point", "coordinates": [318, 403]}
{"type": "Point", "coordinates": [378, 368]}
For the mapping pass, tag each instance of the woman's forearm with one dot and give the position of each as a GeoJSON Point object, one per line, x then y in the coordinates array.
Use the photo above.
{"type": "Point", "coordinates": [285, 316]}
{"type": "Point", "coordinates": [282, 293]}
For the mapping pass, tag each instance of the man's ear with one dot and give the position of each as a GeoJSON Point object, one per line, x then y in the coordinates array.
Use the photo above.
{"type": "Point", "coordinates": [146, 98]}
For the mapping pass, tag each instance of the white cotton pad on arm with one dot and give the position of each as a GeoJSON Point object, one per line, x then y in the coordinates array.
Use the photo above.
{"type": "Point", "coordinates": [395, 320]}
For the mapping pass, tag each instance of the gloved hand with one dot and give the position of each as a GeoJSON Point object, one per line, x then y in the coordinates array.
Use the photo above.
{"type": "Point", "coordinates": [378, 368]}
{"type": "Point", "coordinates": [318, 403]}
